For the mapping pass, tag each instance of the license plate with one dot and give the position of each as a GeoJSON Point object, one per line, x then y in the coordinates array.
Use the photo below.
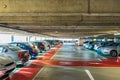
{"type": "Point", "coordinates": [26, 54]}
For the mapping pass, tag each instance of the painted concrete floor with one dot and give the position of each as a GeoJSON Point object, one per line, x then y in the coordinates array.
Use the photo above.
{"type": "Point", "coordinates": [76, 53]}
{"type": "Point", "coordinates": [69, 63]}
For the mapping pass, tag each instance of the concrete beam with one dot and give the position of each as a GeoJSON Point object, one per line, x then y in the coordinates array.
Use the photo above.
{"type": "Point", "coordinates": [64, 20]}
{"type": "Point", "coordinates": [43, 6]}
{"type": "Point", "coordinates": [59, 6]}
{"type": "Point", "coordinates": [104, 6]}
{"type": "Point", "coordinates": [79, 28]}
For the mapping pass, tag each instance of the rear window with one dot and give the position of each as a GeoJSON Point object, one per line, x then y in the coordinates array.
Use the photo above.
{"type": "Point", "coordinates": [13, 48]}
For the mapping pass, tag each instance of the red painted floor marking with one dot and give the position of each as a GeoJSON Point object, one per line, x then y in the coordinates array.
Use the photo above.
{"type": "Point", "coordinates": [104, 63]}
{"type": "Point", "coordinates": [29, 72]}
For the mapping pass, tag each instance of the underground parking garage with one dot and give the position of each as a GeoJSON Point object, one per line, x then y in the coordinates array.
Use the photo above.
{"type": "Point", "coordinates": [60, 39]}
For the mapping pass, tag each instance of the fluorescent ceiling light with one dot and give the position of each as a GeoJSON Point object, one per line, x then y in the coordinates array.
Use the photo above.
{"type": "Point", "coordinates": [116, 33]}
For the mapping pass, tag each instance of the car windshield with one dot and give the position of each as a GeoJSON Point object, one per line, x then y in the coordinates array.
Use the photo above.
{"type": "Point", "coordinates": [13, 48]}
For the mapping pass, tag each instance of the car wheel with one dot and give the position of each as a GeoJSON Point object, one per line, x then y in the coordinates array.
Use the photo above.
{"type": "Point", "coordinates": [113, 53]}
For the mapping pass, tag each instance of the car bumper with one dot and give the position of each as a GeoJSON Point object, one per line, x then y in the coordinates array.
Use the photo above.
{"type": "Point", "coordinates": [7, 70]}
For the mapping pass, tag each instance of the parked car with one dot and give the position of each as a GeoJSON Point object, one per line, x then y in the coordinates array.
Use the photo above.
{"type": "Point", "coordinates": [24, 45]}
{"type": "Point", "coordinates": [89, 44]}
{"type": "Point", "coordinates": [7, 65]}
{"type": "Point", "coordinates": [109, 49]}
{"type": "Point", "coordinates": [47, 45]}
{"type": "Point", "coordinates": [19, 55]}
{"type": "Point", "coordinates": [33, 46]}
{"type": "Point", "coordinates": [85, 43]}
{"type": "Point", "coordinates": [56, 42]}
{"type": "Point", "coordinates": [41, 45]}
{"type": "Point", "coordinates": [51, 42]}
{"type": "Point", "coordinates": [99, 44]}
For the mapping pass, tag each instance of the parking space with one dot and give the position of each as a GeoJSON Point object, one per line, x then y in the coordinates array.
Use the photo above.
{"type": "Point", "coordinates": [75, 53]}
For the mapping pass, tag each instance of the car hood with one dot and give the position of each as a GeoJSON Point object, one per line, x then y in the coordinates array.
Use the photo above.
{"type": "Point", "coordinates": [5, 60]}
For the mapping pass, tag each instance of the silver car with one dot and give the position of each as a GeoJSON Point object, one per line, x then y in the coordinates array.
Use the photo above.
{"type": "Point", "coordinates": [19, 55]}
{"type": "Point", "coordinates": [110, 49]}
{"type": "Point", "coordinates": [7, 65]}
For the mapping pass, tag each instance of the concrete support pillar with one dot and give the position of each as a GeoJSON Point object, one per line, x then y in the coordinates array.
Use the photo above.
{"type": "Point", "coordinates": [12, 38]}
{"type": "Point", "coordinates": [116, 40]}
{"type": "Point", "coordinates": [81, 41]}
{"type": "Point", "coordinates": [35, 38]}
{"type": "Point", "coordinates": [27, 39]}
{"type": "Point", "coordinates": [105, 39]}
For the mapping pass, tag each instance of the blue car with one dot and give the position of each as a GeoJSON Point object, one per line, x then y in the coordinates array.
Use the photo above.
{"type": "Point", "coordinates": [24, 45]}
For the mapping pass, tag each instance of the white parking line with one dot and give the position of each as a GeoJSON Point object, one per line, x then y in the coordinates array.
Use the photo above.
{"type": "Point", "coordinates": [55, 54]}
{"type": "Point", "coordinates": [89, 74]}
{"type": "Point", "coordinates": [44, 66]}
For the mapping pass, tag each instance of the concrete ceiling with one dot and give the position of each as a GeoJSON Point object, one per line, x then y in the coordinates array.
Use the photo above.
{"type": "Point", "coordinates": [62, 18]}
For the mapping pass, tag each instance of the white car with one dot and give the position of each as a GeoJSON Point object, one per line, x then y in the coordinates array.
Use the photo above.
{"type": "Point", "coordinates": [7, 65]}
{"type": "Point", "coordinates": [19, 55]}
{"type": "Point", "coordinates": [46, 44]}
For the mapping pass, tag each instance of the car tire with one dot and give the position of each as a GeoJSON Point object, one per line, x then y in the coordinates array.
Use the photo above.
{"type": "Point", "coordinates": [113, 53]}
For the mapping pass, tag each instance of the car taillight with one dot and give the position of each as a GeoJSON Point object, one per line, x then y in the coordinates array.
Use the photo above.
{"type": "Point", "coordinates": [20, 54]}
{"type": "Point", "coordinates": [33, 50]}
